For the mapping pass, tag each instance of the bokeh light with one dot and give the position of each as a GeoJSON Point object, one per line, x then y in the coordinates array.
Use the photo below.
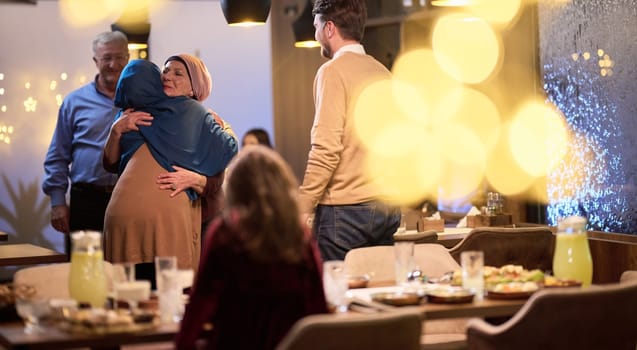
{"type": "Point", "coordinates": [83, 13]}
{"type": "Point", "coordinates": [419, 69]}
{"type": "Point", "coordinates": [464, 158]}
{"type": "Point", "coordinates": [501, 12]}
{"type": "Point", "coordinates": [503, 172]}
{"type": "Point", "coordinates": [5, 133]}
{"type": "Point", "coordinates": [404, 164]}
{"type": "Point", "coordinates": [573, 173]}
{"type": "Point", "coordinates": [538, 138]}
{"type": "Point", "coordinates": [466, 48]}
{"type": "Point", "coordinates": [475, 111]}
{"type": "Point", "coordinates": [375, 110]}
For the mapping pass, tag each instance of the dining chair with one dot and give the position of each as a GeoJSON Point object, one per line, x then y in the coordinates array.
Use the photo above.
{"type": "Point", "coordinates": [429, 236]}
{"type": "Point", "coordinates": [597, 317]}
{"type": "Point", "coordinates": [381, 331]}
{"type": "Point", "coordinates": [531, 247]}
{"type": "Point", "coordinates": [52, 280]}
{"type": "Point", "coordinates": [628, 276]}
{"type": "Point", "coordinates": [433, 260]}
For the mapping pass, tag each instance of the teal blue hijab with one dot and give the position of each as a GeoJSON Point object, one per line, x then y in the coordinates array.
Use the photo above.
{"type": "Point", "coordinates": [182, 133]}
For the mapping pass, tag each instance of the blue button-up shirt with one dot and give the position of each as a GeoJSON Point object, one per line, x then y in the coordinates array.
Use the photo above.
{"type": "Point", "coordinates": [83, 124]}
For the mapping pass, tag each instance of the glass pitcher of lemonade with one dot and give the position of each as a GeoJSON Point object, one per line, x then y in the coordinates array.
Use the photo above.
{"type": "Point", "coordinates": [572, 257]}
{"type": "Point", "coordinates": [87, 280]}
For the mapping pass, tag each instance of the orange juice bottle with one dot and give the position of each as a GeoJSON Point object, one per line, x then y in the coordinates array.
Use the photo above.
{"type": "Point", "coordinates": [572, 257]}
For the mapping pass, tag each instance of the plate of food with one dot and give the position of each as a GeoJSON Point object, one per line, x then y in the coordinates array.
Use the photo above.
{"type": "Point", "coordinates": [494, 276]}
{"type": "Point", "coordinates": [102, 321]}
{"type": "Point", "coordinates": [398, 298]}
{"type": "Point", "coordinates": [512, 290]}
{"type": "Point", "coordinates": [554, 282]}
{"type": "Point", "coordinates": [450, 295]}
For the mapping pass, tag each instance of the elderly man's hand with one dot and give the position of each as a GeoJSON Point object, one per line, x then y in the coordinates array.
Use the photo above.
{"type": "Point", "coordinates": [60, 218]}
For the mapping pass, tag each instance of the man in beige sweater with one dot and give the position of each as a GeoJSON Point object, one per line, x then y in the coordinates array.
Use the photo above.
{"type": "Point", "coordinates": [347, 211]}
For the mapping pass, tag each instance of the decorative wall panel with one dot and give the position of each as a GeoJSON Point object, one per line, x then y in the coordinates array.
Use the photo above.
{"type": "Point", "coordinates": [588, 53]}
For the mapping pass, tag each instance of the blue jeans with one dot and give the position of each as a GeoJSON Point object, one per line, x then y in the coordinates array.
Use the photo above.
{"type": "Point", "coordinates": [340, 228]}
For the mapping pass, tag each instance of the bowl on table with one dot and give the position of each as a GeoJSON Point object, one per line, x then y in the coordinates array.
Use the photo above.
{"type": "Point", "coordinates": [358, 281]}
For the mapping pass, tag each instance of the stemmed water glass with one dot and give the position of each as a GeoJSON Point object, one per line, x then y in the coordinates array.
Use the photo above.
{"type": "Point", "coordinates": [31, 308]}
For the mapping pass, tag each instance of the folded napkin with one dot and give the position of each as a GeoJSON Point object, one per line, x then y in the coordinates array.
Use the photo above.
{"type": "Point", "coordinates": [463, 221]}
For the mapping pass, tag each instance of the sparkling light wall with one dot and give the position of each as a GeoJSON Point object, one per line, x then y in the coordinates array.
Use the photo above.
{"type": "Point", "coordinates": [587, 52]}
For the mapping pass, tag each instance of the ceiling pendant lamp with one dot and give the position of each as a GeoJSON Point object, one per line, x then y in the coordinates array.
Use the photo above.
{"type": "Point", "coordinates": [245, 12]}
{"type": "Point", "coordinates": [303, 28]}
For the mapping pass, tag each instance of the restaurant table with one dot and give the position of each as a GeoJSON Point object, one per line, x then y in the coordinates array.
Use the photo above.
{"type": "Point", "coordinates": [28, 254]}
{"type": "Point", "coordinates": [452, 235]}
{"type": "Point", "coordinates": [12, 337]}
{"type": "Point", "coordinates": [484, 308]}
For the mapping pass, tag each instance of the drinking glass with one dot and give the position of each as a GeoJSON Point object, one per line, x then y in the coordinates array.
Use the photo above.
{"type": "Point", "coordinates": [32, 309]}
{"type": "Point", "coordinates": [472, 263]}
{"type": "Point", "coordinates": [165, 266]}
{"type": "Point", "coordinates": [403, 260]}
{"type": "Point", "coordinates": [335, 284]}
{"type": "Point", "coordinates": [127, 288]}
{"type": "Point", "coordinates": [168, 288]}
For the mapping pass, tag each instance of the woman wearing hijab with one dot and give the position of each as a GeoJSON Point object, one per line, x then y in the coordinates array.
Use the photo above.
{"type": "Point", "coordinates": [162, 128]}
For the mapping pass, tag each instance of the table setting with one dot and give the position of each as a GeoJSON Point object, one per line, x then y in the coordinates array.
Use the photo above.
{"type": "Point", "coordinates": [471, 290]}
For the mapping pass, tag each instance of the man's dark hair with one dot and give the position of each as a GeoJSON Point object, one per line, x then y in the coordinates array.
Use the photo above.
{"type": "Point", "coordinates": [348, 15]}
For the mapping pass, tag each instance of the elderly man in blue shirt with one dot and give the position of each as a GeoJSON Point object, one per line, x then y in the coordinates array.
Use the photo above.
{"type": "Point", "coordinates": [75, 152]}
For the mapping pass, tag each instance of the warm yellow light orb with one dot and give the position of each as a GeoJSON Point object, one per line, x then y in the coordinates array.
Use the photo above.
{"type": "Point", "coordinates": [419, 69]}
{"type": "Point", "coordinates": [84, 13]}
{"type": "Point", "coordinates": [538, 138]}
{"type": "Point", "coordinates": [503, 173]}
{"type": "Point", "coordinates": [573, 172]}
{"type": "Point", "coordinates": [475, 111]}
{"type": "Point", "coordinates": [404, 164]}
{"type": "Point", "coordinates": [375, 110]}
{"type": "Point", "coordinates": [464, 160]}
{"type": "Point", "coordinates": [501, 12]}
{"type": "Point", "coordinates": [466, 48]}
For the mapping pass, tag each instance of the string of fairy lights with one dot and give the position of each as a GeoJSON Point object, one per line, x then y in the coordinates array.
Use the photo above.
{"type": "Point", "coordinates": [29, 97]}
